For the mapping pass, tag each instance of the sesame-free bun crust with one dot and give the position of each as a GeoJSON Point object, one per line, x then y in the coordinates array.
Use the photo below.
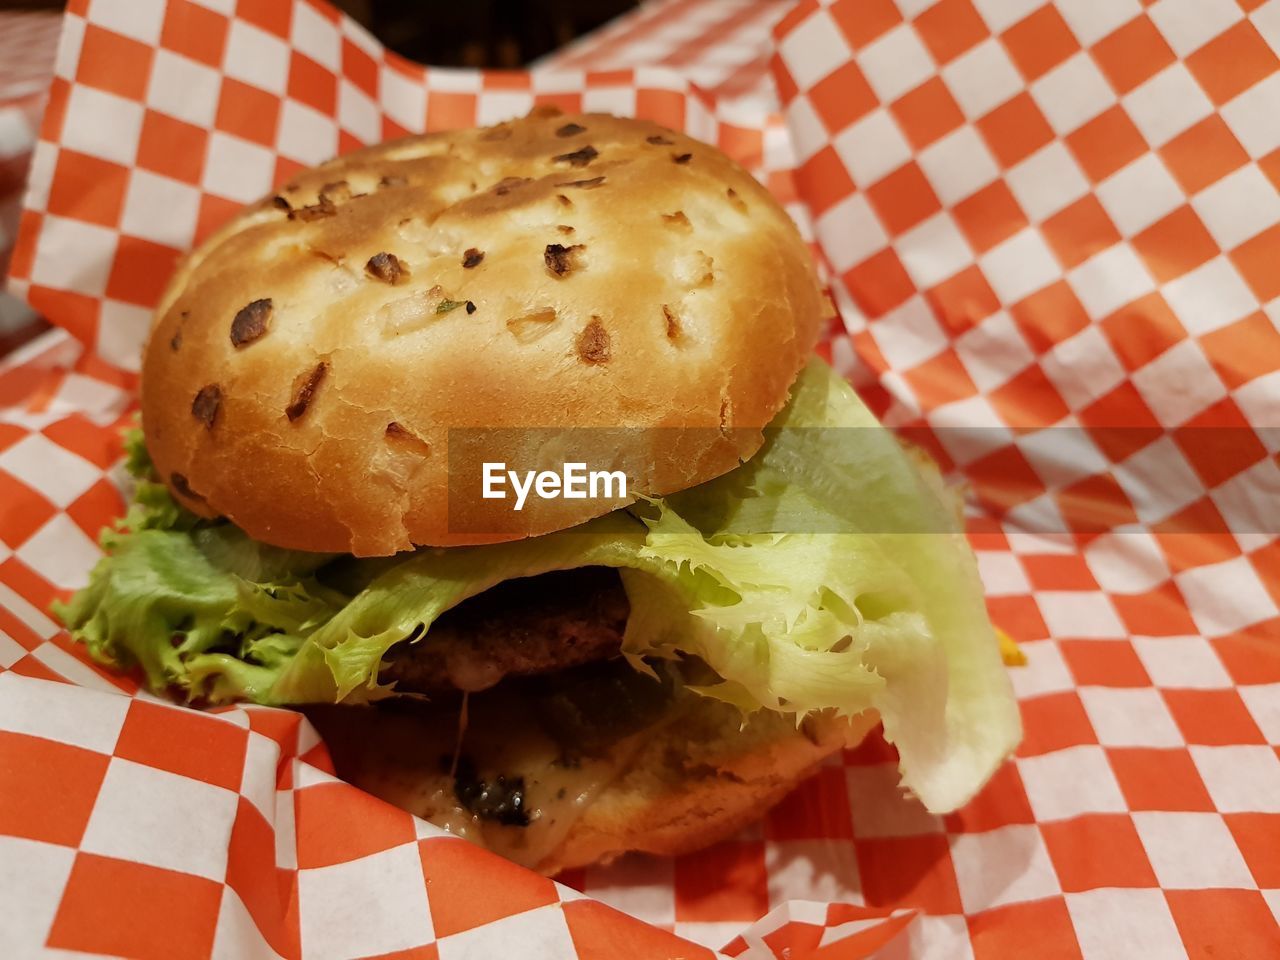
{"type": "Point", "coordinates": [303, 386]}
{"type": "Point", "coordinates": [687, 783]}
{"type": "Point", "coordinates": [682, 794]}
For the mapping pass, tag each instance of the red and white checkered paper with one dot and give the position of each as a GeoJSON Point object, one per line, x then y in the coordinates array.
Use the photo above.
{"type": "Point", "coordinates": [723, 46]}
{"type": "Point", "coordinates": [1034, 215]}
{"type": "Point", "coordinates": [27, 44]}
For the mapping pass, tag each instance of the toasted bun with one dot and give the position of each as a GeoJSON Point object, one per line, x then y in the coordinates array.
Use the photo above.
{"type": "Point", "coordinates": [684, 793]}
{"type": "Point", "coordinates": [690, 782]}
{"type": "Point", "coordinates": [302, 383]}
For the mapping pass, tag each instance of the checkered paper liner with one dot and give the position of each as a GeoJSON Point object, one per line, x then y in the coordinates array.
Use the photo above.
{"type": "Point", "coordinates": [27, 44]}
{"type": "Point", "coordinates": [1142, 814]}
{"type": "Point", "coordinates": [723, 46]}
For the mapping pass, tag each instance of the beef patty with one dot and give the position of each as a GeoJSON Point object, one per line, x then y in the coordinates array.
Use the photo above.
{"type": "Point", "coordinates": [519, 628]}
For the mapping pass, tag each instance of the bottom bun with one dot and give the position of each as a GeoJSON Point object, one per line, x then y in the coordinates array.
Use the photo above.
{"type": "Point", "coordinates": [695, 774]}
{"type": "Point", "coordinates": [690, 788]}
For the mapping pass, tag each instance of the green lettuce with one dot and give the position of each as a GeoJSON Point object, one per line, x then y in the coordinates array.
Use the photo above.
{"type": "Point", "coordinates": [829, 573]}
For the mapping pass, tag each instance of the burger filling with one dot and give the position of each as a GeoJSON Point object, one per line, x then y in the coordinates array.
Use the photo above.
{"type": "Point", "coordinates": [522, 627]}
{"type": "Point", "coordinates": [827, 575]}
{"type": "Point", "coordinates": [516, 766]}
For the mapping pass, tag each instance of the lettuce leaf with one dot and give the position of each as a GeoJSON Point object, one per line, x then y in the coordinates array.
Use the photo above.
{"type": "Point", "coordinates": [946, 702]}
{"type": "Point", "coordinates": [828, 573]}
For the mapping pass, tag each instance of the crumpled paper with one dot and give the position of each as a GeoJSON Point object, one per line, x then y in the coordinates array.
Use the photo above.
{"type": "Point", "coordinates": [28, 40]}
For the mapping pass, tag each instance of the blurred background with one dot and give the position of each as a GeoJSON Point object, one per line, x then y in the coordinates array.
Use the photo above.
{"type": "Point", "coordinates": [481, 33]}
{"type": "Point", "coordinates": [462, 33]}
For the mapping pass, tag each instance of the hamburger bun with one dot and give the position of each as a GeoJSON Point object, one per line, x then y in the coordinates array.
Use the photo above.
{"type": "Point", "coordinates": [307, 363]}
{"type": "Point", "coordinates": [698, 775]}
{"type": "Point", "coordinates": [683, 794]}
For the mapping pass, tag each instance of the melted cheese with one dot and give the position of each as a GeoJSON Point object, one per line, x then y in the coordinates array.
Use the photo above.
{"type": "Point", "coordinates": [405, 756]}
{"type": "Point", "coordinates": [1010, 652]}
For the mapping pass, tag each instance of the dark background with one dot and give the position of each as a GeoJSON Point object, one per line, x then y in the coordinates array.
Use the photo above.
{"type": "Point", "coordinates": [462, 33]}
{"type": "Point", "coordinates": [480, 33]}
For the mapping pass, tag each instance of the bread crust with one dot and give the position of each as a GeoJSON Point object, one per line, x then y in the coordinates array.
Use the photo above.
{"type": "Point", "coordinates": [698, 775]}
{"type": "Point", "coordinates": [681, 794]}
{"type": "Point", "coordinates": [305, 365]}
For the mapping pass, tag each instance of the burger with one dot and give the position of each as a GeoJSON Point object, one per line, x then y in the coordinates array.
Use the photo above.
{"type": "Point", "coordinates": [342, 386]}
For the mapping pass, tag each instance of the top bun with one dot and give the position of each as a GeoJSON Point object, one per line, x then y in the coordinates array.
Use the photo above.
{"type": "Point", "coordinates": [307, 363]}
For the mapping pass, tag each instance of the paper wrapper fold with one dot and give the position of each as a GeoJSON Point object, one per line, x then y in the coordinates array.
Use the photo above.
{"type": "Point", "coordinates": [28, 40]}
{"type": "Point", "coordinates": [1053, 231]}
